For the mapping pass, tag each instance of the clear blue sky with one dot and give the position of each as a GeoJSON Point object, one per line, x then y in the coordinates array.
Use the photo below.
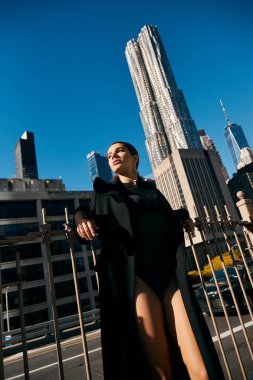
{"type": "Point", "coordinates": [64, 76]}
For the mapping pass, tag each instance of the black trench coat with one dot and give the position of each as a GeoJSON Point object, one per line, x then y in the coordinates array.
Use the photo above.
{"type": "Point", "coordinates": [123, 356]}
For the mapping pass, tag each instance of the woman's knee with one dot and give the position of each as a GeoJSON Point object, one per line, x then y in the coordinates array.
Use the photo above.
{"type": "Point", "coordinates": [199, 373]}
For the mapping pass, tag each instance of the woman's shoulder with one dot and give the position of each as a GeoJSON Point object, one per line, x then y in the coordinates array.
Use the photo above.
{"type": "Point", "coordinates": [100, 186]}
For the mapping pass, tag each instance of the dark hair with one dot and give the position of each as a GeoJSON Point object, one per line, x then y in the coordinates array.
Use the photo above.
{"type": "Point", "coordinates": [130, 147]}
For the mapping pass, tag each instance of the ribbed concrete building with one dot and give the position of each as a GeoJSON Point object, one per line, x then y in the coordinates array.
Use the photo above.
{"type": "Point", "coordinates": [188, 175]}
{"type": "Point", "coordinates": [21, 202]}
{"type": "Point", "coordinates": [208, 144]}
{"type": "Point", "coordinates": [165, 117]}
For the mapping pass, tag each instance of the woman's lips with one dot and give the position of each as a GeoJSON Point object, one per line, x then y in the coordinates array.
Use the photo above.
{"type": "Point", "coordinates": [116, 162]}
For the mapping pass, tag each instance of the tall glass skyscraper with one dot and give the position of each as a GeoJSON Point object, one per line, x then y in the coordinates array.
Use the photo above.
{"type": "Point", "coordinates": [98, 166]}
{"type": "Point", "coordinates": [236, 141]}
{"type": "Point", "coordinates": [25, 156]}
{"type": "Point", "coordinates": [165, 117]}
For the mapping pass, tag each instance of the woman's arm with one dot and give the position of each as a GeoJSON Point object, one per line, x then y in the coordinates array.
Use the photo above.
{"type": "Point", "coordinates": [184, 217]}
{"type": "Point", "coordinates": [85, 227]}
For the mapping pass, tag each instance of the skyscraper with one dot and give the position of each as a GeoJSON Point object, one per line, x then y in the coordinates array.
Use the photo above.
{"type": "Point", "coordinates": [188, 175]}
{"type": "Point", "coordinates": [208, 144]}
{"type": "Point", "coordinates": [25, 156]}
{"type": "Point", "coordinates": [236, 141]}
{"type": "Point", "coordinates": [165, 117]}
{"type": "Point", "coordinates": [98, 166]}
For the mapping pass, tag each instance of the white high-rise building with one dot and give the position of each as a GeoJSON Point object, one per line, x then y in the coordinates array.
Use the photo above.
{"type": "Point", "coordinates": [188, 175]}
{"type": "Point", "coordinates": [166, 119]}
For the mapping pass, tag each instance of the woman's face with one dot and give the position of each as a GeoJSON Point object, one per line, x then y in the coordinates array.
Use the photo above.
{"type": "Point", "coordinates": [121, 161]}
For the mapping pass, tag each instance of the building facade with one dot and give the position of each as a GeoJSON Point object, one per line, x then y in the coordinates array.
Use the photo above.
{"type": "Point", "coordinates": [208, 144]}
{"type": "Point", "coordinates": [242, 180]}
{"type": "Point", "coordinates": [165, 116]}
{"type": "Point", "coordinates": [25, 156]}
{"type": "Point", "coordinates": [20, 214]}
{"type": "Point", "coordinates": [98, 166]}
{"type": "Point", "coordinates": [188, 175]}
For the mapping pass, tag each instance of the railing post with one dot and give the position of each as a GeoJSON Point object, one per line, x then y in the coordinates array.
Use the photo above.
{"type": "Point", "coordinates": [45, 228]}
{"type": "Point", "coordinates": [246, 211]}
{"type": "Point", "coordinates": [22, 316]}
{"type": "Point", "coordinates": [70, 236]}
{"type": "Point", "coordinates": [245, 207]}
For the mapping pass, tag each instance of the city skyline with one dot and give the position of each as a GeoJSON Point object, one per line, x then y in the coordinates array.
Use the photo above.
{"type": "Point", "coordinates": [65, 78]}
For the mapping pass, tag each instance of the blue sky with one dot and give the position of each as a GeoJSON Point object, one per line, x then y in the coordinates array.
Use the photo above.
{"type": "Point", "coordinates": [64, 76]}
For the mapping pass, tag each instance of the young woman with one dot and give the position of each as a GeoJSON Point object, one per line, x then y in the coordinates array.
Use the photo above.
{"type": "Point", "coordinates": [151, 325]}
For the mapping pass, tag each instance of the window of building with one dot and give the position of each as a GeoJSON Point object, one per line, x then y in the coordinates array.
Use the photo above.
{"type": "Point", "coordinates": [57, 207]}
{"type": "Point", "coordinates": [27, 251]}
{"type": "Point", "coordinates": [67, 288]}
{"type": "Point", "coordinates": [63, 267]}
{"type": "Point", "coordinates": [9, 275]}
{"type": "Point", "coordinates": [94, 282]}
{"type": "Point", "coordinates": [86, 304]}
{"type": "Point", "coordinates": [32, 272]}
{"type": "Point", "coordinates": [30, 297]}
{"type": "Point", "coordinates": [18, 229]}
{"type": "Point", "coordinates": [57, 225]}
{"type": "Point", "coordinates": [30, 319]}
{"type": "Point", "coordinates": [59, 247]}
{"type": "Point", "coordinates": [67, 309]}
{"type": "Point", "coordinates": [19, 209]}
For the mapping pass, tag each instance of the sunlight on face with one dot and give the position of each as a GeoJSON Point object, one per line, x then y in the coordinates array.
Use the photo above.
{"type": "Point", "coordinates": [121, 161]}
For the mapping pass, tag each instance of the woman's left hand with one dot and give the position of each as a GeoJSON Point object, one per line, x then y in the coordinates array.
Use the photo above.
{"type": "Point", "coordinates": [189, 226]}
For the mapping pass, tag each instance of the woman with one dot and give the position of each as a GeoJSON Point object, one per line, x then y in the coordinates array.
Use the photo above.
{"type": "Point", "coordinates": [151, 325]}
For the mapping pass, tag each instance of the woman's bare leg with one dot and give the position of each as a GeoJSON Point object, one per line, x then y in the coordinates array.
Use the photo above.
{"type": "Point", "coordinates": [151, 328]}
{"type": "Point", "coordinates": [179, 325]}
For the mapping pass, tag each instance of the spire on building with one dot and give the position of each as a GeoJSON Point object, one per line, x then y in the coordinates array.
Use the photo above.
{"type": "Point", "coordinates": [225, 113]}
{"type": "Point", "coordinates": [237, 142]}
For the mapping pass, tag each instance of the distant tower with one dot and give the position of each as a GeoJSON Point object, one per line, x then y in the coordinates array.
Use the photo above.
{"type": "Point", "coordinates": [235, 139]}
{"type": "Point", "coordinates": [25, 156]}
{"type": "Point", "coordinates": [98, 166]}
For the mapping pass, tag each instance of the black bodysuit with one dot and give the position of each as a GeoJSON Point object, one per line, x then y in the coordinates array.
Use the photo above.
{"type": "Point", "coordinates": [157, 232]}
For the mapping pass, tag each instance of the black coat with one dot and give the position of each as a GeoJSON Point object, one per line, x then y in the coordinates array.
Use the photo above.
{"type": "Point", "coordinates": [123, 358]}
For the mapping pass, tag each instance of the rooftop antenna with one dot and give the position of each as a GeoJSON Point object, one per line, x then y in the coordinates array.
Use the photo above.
{"type": "Point", "coordinates": [225, 113]}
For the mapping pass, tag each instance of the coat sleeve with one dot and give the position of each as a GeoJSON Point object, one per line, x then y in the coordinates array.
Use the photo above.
{"type": "Point", "coordinates": [81, 213]}
{"type": "Point", "coordinates": [182, 214]}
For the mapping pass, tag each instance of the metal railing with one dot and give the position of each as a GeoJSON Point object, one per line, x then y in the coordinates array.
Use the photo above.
{"type": "Point", "coordinates": [239, 232]}
{"type": "Point", "coordinates": [46, 235]}
{"type": "Point", "coordinates": [220, 232]}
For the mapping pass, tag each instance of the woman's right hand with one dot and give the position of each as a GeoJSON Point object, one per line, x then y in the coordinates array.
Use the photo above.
{"type": "Point", "coordinates": [87, 229]}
